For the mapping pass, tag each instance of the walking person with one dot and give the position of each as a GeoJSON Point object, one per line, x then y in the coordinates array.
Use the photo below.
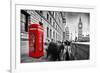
{"type": "Point", "coordinates": [66, 53]}
{"type": "Point", "coordinates": [52, 52]}
{"type": "Point", "coordinates": [60, 51]}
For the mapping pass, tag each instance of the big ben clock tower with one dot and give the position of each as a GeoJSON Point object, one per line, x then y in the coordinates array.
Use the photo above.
{"type": "Point", "coordinates": [80, 26]}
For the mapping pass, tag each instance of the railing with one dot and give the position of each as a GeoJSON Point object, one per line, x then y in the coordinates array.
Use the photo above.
{"type": "Point", "coordinates": [81, 50]}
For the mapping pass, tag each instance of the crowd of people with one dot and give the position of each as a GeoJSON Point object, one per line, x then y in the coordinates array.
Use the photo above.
{"type": "Point", "coordinates": [59, 51]}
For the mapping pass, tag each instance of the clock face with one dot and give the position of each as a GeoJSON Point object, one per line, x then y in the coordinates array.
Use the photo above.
{"type": "Point", "coordinates": [80, 25]}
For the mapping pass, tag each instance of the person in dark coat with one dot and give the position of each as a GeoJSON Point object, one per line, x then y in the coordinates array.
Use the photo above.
{"type": "Point", "coordinates": [60, 50]}
{"type": "Point", "coordinates": [67, 43]}
{"type": "Point", "coordinates": [52, 52]}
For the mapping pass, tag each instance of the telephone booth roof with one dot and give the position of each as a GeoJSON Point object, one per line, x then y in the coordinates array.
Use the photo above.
{"type": "Point", "coordinates": [35, 26]}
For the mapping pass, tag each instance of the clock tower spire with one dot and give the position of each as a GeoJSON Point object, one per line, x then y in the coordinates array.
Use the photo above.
{"type": "Point", "coordinates": [80, 26]}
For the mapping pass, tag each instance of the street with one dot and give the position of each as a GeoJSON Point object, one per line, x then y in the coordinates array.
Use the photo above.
{"type": "Point", "coordinates": [79, 52]}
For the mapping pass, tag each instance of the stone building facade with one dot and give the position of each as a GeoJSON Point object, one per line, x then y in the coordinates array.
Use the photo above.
{"type": "Point", "coordinates": [53, 24]}
{"type": "Point", "coordinates": [67, 33]}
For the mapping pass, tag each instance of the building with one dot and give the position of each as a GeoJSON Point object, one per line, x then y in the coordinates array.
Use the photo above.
{"type": "Point", "coordinates": [80, 27]}
{"type": "Point", "coordinates": [53, 24]}
{"type": "Point", "coordinates": [67, 33]}
{"type": "Point", "coordinates": [85, 38]}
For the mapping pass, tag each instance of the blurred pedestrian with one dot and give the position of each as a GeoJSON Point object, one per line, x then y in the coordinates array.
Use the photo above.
{"type": "Point", "coordinates": [66, 52]}
{"type": "Point", "coordinates": [60, 51]}
{"type": "Point", "coordinates": [52, 52]}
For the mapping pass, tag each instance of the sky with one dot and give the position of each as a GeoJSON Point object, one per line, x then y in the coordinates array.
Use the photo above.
{"type": "Point", "coordinates": [72, 21]}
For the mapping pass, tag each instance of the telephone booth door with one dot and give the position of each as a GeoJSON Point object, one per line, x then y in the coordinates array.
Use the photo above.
{"type": "Point", "coordinates": [36, 46]}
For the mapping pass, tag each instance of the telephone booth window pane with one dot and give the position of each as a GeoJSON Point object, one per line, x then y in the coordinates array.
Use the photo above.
{"type": "Point", "coordinates": [40, 41]}
{"type": "Point", "coordinates": [32, 42]}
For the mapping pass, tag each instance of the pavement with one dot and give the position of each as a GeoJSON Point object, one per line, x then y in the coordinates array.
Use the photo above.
{"type": "Point", "coordinates": [26, 59]}
{"type": "Point", "coordinates": [79, 52]}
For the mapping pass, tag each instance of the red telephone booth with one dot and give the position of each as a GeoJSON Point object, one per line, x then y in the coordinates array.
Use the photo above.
{"type": "Point", "coordinates": [36, 45]}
